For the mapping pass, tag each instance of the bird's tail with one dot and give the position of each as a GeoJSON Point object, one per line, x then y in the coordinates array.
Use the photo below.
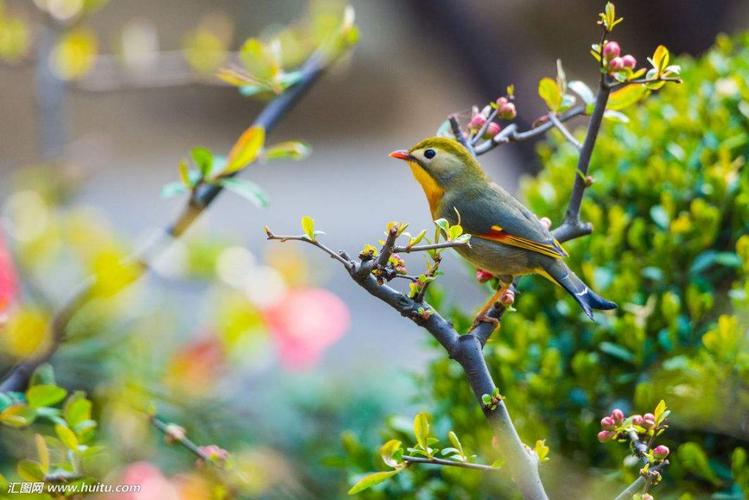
{"type": "Point", "coordinates": [558, 272]}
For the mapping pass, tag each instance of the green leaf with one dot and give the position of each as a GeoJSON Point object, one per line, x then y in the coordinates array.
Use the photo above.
{"type": "Point", "coordinates": [626, 96]}
{"type": "Point", "coordinates": [44, 374]}
{"type": "Point", "coordinates": [18, 415]}
{"type": "Point", "coordinates": [694, 459]}
{"type": "Point", "coordinates": [29, 470]}
{"type": "Point", "coordinates": [77, 409]}
{"type": "Point", "coordinates": [308, 226]}
{"type": "Point", "coordinates": [173, 189]}
{"type": "Point", "coordinates": [67, 437]}
{"type": "Point", "coordinates": [45, 395]}
{"type": "Point", "coordinates": [245, 150]}
{"type": "Point", "coordinates": [293, 150]}
{"type": "Point", "coordinates": [660, 409]}
{"type": "Point", "coordinates": [615, 116]}
{"type": "Point", "coordinates": [388, 453]}
{"type": "Point", "coordinates": [581, 89]}
{"type": "Point", "coordinates": [421, 430]}
{"type": "Point", "coordinates": [43, 452]}
{"type": "Point", "coordinates": [455, 441]}
{"type": "Point", "coordinates": [548, 90]}
{"type": "Point", "coordinates": [371, 480]}
{"type": "Point", "coordinates": [454, 232]}
{"type": "Point", "coordinates": [617, 351]}
{"type": "Point", "coordinates": [203, 159]}
{"type": "Point", "coordinates": [246, 189]}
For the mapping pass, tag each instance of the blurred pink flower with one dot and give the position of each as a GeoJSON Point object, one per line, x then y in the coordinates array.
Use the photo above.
{"type": "Point", "coordinates": [154, 485]}
{"type": "Point", "coordinates": [304, 322]}
{"type": "Point", "coordinates": [8, 280]}
{"type": "Point", "coordinates": [196, 366]}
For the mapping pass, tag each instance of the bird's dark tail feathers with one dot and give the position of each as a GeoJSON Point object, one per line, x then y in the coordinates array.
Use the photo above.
{"type": "Point", "coordinates": [587, 298]}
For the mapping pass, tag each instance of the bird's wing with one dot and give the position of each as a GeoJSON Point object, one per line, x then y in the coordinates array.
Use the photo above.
{"type": "Point", "coordinates": [496, 215]}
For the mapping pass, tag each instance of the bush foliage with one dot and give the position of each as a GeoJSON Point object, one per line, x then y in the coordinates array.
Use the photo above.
{"type": "Point", "coordinates": [670, 207]}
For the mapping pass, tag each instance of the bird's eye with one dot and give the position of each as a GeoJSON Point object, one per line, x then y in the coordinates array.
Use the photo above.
{"type": "Point", "coordinates": [429, 154]}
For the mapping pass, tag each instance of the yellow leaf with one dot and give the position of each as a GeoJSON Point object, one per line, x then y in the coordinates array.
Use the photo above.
{"type": "Point", "coordinates": [67, 437]}
{"type": "Point", "coordinates": [75, 54]}
{"type": "Point", "coordinates": [26, 333]}
{"type": "Point", "coordinates": [43, 452]}
{"type": "Point", "coordinates": [245, 150]}
{"type": "Point", "coordinates": [388, 450]}
{"type": "Point", "coordinates": [549, 91]}
{"type": "Point", "coordinates": [660, 58]}
{"type": "Point", "coordinates": [308, 226]}
{"type": "Point", "coordinates": [626, 96]}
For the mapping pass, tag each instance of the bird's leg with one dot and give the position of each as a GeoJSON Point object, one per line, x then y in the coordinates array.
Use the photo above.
{"type": "Point", "coordinates": [482, 317]}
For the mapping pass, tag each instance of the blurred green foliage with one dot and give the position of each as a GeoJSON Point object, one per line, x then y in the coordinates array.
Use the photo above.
{"type": "Point", "coordinates": [670, 207]}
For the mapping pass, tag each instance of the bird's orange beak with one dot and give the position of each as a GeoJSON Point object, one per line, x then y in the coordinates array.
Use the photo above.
{"type": "Point", "coordinates": [400, 154]}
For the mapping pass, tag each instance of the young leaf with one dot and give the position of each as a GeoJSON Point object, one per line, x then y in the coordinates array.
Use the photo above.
{"type": "Point", "coordinates": [184, 174]}
{"type": "Point", "coordinates": [388, 452]}
{"type": "Point", "coordinates": [44, 395]}
{"type": "Point", "coordinates": [67, 437]}
{"type": "Point", "coordinates": [43, 452]}
{"type": "Point", "coordinates": [626, 96]}
{"type": "Point", "coordinates": [421, 430]}
{"type": "Point", "coordinates": [173, 189]}
{"type": "Point", "coordinates": [77, 409]}
{"type": "Point", "coordinates": [660, 59]}
{"type": "Point", "coordinates": [29, 470]}
{"type": "Point", "coordinates": [293, 150]}
{"type": "Point", "coordinates": [371, 480]}
{"type": "Point", "coordinates": [542, 451]}
{"type": "Point", "coordinates": [581, 89]}
{"type": "Point", "coordinates": [549, 91]}
{"type": "Point", "coordinates": [245, 150]}
{"type": "Point", "coordinates": [246, 189]}
{"type": "Point", "coordinates": [455, 441]}
{"type": "Point", "coordinates": [308, 226]}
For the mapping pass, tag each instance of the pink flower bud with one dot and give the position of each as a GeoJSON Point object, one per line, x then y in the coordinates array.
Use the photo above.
{"type": "Point", "coordinates": [617, 415]}
{"type": "Point", "coordinates": [604, 436]}
{"type": "Point", "coordinates": [607, 423]}
{"type": "Point", "coordinates": [477, 121]}
{"type": "Point", "coordinates": [648, 420]}
{"type": "Point", "coordinates": [611, 50]}
{"type": "Point", "coordinates": [483, 276]}
{"type": "Point", "coordinates": [646, 496]}
{"type": "Point", "coordinates": [492, 130]}
{"type": "Point", "coordinates": [629, 61]}
{"type": "Point", "coordinates": [507, 111]}
{"type": "Point", "coordinates": [501, 101]}
{"type": "Point", "coordinates": [637, 420]}
{"type": "Point", "coordinates": [660, 452]}
{"type": "Point", "coordinates": [616, 64]}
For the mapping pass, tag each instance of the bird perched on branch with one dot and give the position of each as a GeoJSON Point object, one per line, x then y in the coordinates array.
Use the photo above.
{"type": "Point", "coordinates": [507, 239]}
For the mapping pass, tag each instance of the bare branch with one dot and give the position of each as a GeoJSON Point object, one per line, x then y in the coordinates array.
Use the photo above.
{"type": "Point", "coordinates": [450, 463]}
{"type": "Point", "coordinates": [183, 440]}
{"type": "Point", "coordinates": [484, 127]}
{"type": "Point", "coordinates": [433, 246]}
{"type": "Point", "coordinates": [565, 131]}
{"type": "Point", "coordinates": [619, 85]}
{"type": "Point", "coordinates": [283, 238]}
{"type": "Point", "coordinates": [459, 136]}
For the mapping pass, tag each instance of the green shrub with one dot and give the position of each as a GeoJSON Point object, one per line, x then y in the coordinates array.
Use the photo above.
{"type": "Point", "coordinates": [670, 207]}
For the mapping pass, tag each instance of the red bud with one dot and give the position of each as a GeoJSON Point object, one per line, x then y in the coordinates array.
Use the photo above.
{"type": "Point", "coordinates": [477, 121]}
{"type": "Point", "coordinates": [492, 130]}
{"type": "Point", "coordinates": [660, 452]}
{"type": "Point", "coordinates": [616, 64]}
{"type": "Point", "coordinates": [607, 423]}
{"type": "Point", "coordinates": [604, 436]}
{"type": "Point", "coordinates": [507, 111]}
{"type": "Point", "coordinates": [483, 276]}
{"type": "Point", "coordinates": [617, 415]}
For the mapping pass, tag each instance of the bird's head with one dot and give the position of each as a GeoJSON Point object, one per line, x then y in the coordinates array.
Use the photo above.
{"type": "Point", "coordinates": [440, 164]}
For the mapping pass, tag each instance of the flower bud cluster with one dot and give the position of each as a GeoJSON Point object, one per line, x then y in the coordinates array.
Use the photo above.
{"type": "Point", "coordinates": [613, 59]}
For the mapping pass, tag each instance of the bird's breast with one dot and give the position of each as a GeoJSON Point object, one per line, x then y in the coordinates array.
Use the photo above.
{"type": "Point", "coordinates": [432, 190]}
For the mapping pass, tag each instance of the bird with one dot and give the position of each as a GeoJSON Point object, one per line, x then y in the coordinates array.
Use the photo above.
{"type": "Point", "coordinates": [507, 239]}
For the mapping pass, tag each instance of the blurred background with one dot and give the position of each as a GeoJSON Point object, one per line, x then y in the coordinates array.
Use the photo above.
{"type": "Point", "coordinates": [87, 145]}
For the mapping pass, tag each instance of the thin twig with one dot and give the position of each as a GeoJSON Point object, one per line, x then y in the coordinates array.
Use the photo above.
{"type": "Point", "coordinates": [484, 127]}
{"type": "Point", "coordinates": [618, 85]}
{"type": "Point", "coordinates": [449, 463]}
{"type": "Point", "coordinates": [459, 136]}
{"type": "Point", "coordinates": [433, 246]}
{"type": "Point", "coordinates": [333, 254]}
{"type": "Point", "coordinates": [565, 131]}
{"type": "Point", "coordinates": [183, 440]}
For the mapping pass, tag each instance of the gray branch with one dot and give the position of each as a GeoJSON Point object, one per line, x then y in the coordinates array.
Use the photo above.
{"type": "Point", "coordinates": [450, 463]}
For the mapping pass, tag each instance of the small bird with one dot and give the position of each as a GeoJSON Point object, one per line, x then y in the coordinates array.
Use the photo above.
{"type": "Point", "coordinates": [507, 239]}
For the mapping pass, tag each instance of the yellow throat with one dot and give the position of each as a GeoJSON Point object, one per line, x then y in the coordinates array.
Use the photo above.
{"type": "Point", "coordinates": [432, 190]}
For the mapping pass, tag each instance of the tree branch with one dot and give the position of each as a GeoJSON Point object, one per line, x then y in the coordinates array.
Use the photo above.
{"type": "Point", "coordinates": [459, 136]}
{"type": "Point", "coordinates": [310, 71]}
{"type": "Point", "coordinates": [565, 131]}
{"type": "Point", "coordinates": [182, 439]}
{"type": "Point", "coordinates": [450, 463]}
{"type": "Point", "coordinates": [433, 246]}
{"type": "Point", "coordinates": [522, 464]}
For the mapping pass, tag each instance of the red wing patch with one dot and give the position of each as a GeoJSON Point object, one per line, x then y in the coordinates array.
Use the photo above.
{"type": "Point", "coordinates": [498, 234]}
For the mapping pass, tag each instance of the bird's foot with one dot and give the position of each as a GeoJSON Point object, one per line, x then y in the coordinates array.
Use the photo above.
{"type": "Point", "coordinates": [507, 298]}
{"type": "Point", "coordinates": [484, 318]}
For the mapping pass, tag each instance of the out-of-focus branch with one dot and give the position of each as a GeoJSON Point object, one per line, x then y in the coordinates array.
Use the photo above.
{"type": "Point", "coordinates": [510, 133]}
{"type": "Point", "coordinates": [466, 349]}
{"type": "Point", "coordinates": [177, 435]}
{"type": "Point", "coordinates": [450, 463]}
{"type": "Point", "coordinates": [459, 135]}
{"type": "Point", "coordinates": [564, 130]}
{"type": "Point", "coordinates": [310, 71]}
